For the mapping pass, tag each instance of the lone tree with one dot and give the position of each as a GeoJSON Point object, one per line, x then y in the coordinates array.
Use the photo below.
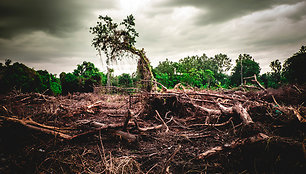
{"type": "Point", "coordinates": [118, 40]}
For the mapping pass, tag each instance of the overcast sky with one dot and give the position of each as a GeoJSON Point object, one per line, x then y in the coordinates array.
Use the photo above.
{"type": "Point", "coordinates": [54, 35]}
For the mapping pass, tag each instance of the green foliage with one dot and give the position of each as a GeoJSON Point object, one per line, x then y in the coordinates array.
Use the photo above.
{"type": "Point", "coordinates": [83, 78]}
{"type": "Point", "coordinates": [197, 62]}
{"type": "Point", "coordinates": [165, 73]}
{"type": "Point", "coordinates": [125, 80]}
{"type": "Point", "coordinates": [118, 40]}
{"type": "Point", "coordinates": [114, 39]}
{"type": "Point", "coordinates": [55, 85]}
{"type": "Point", "coordinates": [70, 83]}
{"type": "Point", "coordinates": [249, 68]}
{"type": "Point", "coordinates": [198, 71]}
{"type": "Point", "coordinates": [45, 80]}
{"type": "Point", "coordinates": [18, 76]}
{"type": "Point", "coordinates": [273, 79]}
{"type": "Point", "coordinates": [294, 67]}
{"type": "Point", "coordinates": [223, 63]}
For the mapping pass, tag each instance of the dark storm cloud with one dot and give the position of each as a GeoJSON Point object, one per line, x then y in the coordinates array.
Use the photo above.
{"type": "Point", "coordinates": [56, 17]}
{"type": "Point", "coordinates": [218, 11]}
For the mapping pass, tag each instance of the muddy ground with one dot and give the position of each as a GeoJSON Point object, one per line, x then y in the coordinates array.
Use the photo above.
{"type": "Point", "coordinates": [181, 136]}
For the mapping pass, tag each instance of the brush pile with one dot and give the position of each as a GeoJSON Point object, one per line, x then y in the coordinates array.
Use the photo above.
{"type": "Point", "coordinates": [176, 131]}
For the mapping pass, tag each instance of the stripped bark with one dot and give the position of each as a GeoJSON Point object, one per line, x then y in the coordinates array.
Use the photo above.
{"type": "Point", "coordinates": [244, 115]}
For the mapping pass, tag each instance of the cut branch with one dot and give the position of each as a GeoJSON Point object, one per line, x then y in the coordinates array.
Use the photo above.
{"type": "Point", "coordinates": [167, 128]}
{"type": "Point", "coordinates": [38, 127]}
{"type": "Point", "coordinates": [232, 145]}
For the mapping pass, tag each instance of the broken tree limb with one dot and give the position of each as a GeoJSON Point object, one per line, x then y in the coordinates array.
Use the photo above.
{"type": "Point", "coordinates": [147, 128]}
{"type": "Point", "coordinates": [244, 115]}
{"type": "Point", "coordinates": [199, 94]}
{"type": "Point", "coordinates": [96, 126]}
{"type": "Point", "coordinates": [207, 110]}
{"type": "Point", "coordinates": [38, 127]}
{"type": "Point", "coordinates": [170, 159]}
{"type": "Point", "coordinates": [204, 101]}
{"type": "Point", "coordinates": [178, 86]}
{"type": "Point", "coordinates": [167, 128]}
{"type": "Point", "coordinates": [126, 136]}
{"type": "Point", "coordinates": [90, 107]}
{"type": "Point", "coordinates": [232, 145]}
{"type": "Point", "coordinates": [254, 79]}
{"type": "Point", "coordinates": [213, 124]}
{"type": "Point", "coordinates": [239, 109]}
{"type": "Point", "coordinates": [225, 110]}
{"type": "Point", "coordinates": [298, 115]}
{"type": "Point", "coordinates": [164, 89]}
{"type": "Point", "coordinates": [99, 126]}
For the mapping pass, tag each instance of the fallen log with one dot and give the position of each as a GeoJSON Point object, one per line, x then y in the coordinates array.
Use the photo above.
{"type": "Point", "coordinates": [199, 94]}
{"type": "Point", "coordinates": [112, 128]}
{"type": "Point", "coordinates": [58, 131]}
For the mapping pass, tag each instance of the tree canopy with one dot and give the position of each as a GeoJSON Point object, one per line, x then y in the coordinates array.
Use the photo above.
{"type": "Point", "coordinates": [117, 40]}
{"type": "Point", "coordinates": [294, 67]}
{"type": "Point", "coordinates": [249, 68]}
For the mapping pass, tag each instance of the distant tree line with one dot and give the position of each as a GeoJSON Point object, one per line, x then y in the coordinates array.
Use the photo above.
{"type": "Point", "coordinates": [195, 71]}
{"type": "Point", "coordinates": [210, 72]}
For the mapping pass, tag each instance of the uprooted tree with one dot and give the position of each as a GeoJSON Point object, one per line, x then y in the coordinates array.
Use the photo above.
{"type": "Point", "coordinates": [118, 40]}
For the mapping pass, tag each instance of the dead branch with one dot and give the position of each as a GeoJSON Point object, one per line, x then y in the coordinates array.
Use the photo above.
{"type": "Point", "coordinates": [164, 89]}
{"type": "Point", "coordinates": [225, 110]}
{"type": "Point", "coordinates": [38, 127]}
{"type": "Point", "coordinates": [178, 86]}
{"type": "Point", "coordinates": [298, 115]}
{"type": "Point", "coordinates": [199, 94]}
{"type": "Point", "coordinates": [147, 128]}
{"type": "Point", "coordinates": [207, 110]}
{"type": "Point", "coordinates": [89, 107]}
{"type": "Point", "coordinates": [232, 145]}
{"type": "Point", "coordinates": [100, 126]}
{"type": "Point", "coordinates": [204, 101]}
{"type": "Point", "coordinates": [213, 124]}
{"type": "Point", "coordinates": [126, 136]}
{"type": "Point", "coordinates": [237, 108]}
{"type": "Point", "coordinates": [167, 128]}
{"type": "Point", "coordinates": [254, 79]}
{"type": "Point", "coordinates": [250, 87]}
{"type": "Point", "coordinates": [244, 115]}
{"type": "Point", "coordinates": [170, 159]}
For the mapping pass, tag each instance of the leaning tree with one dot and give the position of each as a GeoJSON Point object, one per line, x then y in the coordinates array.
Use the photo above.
{"type": "Point", "coordinates": [117, 41]}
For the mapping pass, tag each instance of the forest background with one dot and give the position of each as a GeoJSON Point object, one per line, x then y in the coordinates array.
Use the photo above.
{"type": "Point", "coordinates": [195, 71]}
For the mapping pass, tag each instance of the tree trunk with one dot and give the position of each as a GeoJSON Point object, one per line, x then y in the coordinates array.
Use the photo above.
{"type": "Point", "coordinates": [108, 84]}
